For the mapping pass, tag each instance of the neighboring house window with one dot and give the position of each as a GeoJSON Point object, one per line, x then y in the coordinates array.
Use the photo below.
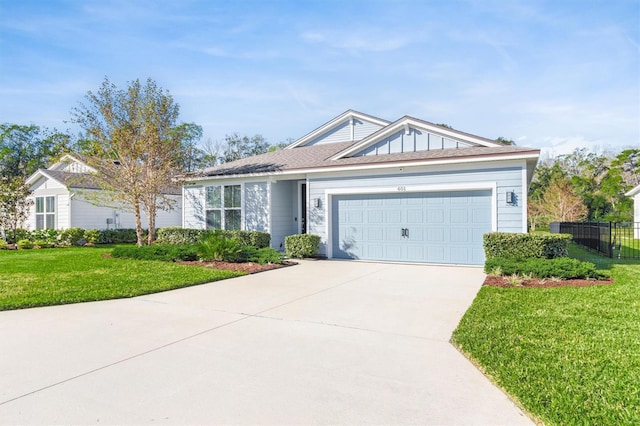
{"type": "Point", "coordinates": [45, 212]}
{"type": "Point", "coordinates": [223, 207]}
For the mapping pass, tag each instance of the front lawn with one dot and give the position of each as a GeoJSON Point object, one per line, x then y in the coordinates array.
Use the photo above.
{"type": "Point", "coordinates": [30, 278]}
{"type": "Point", "coordinates": [568, 355]}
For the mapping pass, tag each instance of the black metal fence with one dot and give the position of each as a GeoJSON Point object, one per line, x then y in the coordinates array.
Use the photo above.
{"type": "Point", "coordinates": [620, 240]}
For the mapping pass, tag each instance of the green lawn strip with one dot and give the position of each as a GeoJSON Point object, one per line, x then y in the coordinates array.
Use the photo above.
{"type": "Point", "coordinates": [568, 355]}
{"type": "Point", "coordinates": [30, 278]}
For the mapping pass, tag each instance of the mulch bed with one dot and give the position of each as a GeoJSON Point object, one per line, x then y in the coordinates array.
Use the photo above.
{"type": "Point", "coordinates": [248, 267]}
{"type": "Point", "coordinates": [538, 283]}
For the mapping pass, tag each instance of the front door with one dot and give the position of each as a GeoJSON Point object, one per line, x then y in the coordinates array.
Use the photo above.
{"type": "Point", "coordinates": [303, 208]}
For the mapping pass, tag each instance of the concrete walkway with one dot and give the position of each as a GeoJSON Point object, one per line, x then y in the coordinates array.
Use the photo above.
{"type": "Point", "coordinates": [322, 342]}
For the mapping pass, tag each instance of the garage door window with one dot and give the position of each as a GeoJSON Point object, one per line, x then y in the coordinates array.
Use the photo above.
{"type": "Point", "coordinates": [223, 205]}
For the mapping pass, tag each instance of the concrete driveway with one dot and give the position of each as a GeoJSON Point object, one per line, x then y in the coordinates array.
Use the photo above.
{"type": "Point", "coordinates": [322, 342]}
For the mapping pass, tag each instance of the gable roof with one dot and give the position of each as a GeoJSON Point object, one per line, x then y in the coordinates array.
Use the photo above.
{"type": "Point", "coordinates": [321, 158]}
{"type": "Point", "coordinates": [407, 122]}
{"type": "Point", "coordinates": [329, 125]}
{"type": "Point", "coordinates": [70, 158]}
{"type": "Point", "coordinates": [68, 179]}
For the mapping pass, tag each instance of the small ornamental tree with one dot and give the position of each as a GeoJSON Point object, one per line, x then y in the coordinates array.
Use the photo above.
{"type": "Point", "coordinates": [14, 206]}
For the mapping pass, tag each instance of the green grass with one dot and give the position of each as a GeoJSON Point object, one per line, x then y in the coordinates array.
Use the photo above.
{"type": "Point", "coordinates": [30, 278]}
{"type": "Point", "coordinates": [569, 356]}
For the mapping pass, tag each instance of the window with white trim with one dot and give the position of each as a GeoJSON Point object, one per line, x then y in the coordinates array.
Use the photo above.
{"type": "Point", "coordinates": [223, 207]}
{"type": "Point", "coordinates": [46, 212]}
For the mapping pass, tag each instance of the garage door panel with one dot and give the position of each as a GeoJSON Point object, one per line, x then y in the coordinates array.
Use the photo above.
{"type": "Point", "coordinates": [393, 216]}
{"type": "Point", "coordinates": [459, 216]}
{"type": "Point", "coordinates": [459, 235]}
{"type": "Point", "coordinates": [443, 227]}
{"type": "Point", "coordinates": [435, 235]}
{"type": "Point", "coordinates": [375, 216]}
{"type": "Point", "coordinates": [435, 216]}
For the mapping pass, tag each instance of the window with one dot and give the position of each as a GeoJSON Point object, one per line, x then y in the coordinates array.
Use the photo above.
{"type": "Point", "coordinates": [45, 212]}
{"type": "Point", "coordinates": [223, 206]}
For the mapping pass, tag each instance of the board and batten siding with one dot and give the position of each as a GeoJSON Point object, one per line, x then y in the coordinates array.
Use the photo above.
{"type": "Point", "coordinates": [416, 140]}
{"type": "Point", "coordinates": [506, 178]}
{"type": "Point", "coordinates": [193, 212]}
{"type": "Point", "coordinates": [256, 206]}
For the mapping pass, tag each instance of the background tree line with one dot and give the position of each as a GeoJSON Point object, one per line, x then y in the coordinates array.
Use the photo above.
{"type": "Point", "coordinates": [584, 186]}
{"type": "Point", "coordinates": [132, 136]}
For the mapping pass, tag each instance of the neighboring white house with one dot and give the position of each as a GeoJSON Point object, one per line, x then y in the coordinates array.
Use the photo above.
{"type": "Point", "coordinates": [635, 194]}
{"type": "Point", "coordinates": [407, 190]}
{"type": "Point", "coordinates": [66, 196]}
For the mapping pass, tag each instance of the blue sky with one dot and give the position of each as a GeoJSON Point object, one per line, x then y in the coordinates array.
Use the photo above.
{"type": "Point", "coordinates": [548, 74]}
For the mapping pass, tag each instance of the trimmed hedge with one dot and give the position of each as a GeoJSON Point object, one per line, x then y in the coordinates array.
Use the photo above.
{"type": "Point", "coordinates": [177, 235]}
{"type": "Point", "coordinates": [523, 246]}
{"type": "Point", "coordinates": [301, 245]}
{"type": "Point", "coordinates": [561, 267]}
{"type": "Point", "coordinates": [164, 252]}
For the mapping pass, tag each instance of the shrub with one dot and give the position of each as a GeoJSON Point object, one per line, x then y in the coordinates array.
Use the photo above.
{"type": "Point", "coordinates": [178, 235]}
{"type": "Point", "coordinates": [24, 244]}
{"type": "Point", "coordinates": [562, 267]}
{"type": "Point", "coordinates": [261, 255]}
{"type": "Point", "coordinates": [43, 244]}
{"type": "Point", "coordinates": [164, 252]}
{"type": "Point", "coordinates": [118, 236]}
{"type": "Point", "coordinates": [72, 237]}
{"type": "Point", "coordinates": [49, 235]}
{"type": "Point", "coordinates": [301, 245]}
{"type": "Point", "coordinates": [17, 235]}
{"type": "Point", "coordinates": [3, 244]}
{"type": "Point", "coordinates": [92, 236]}
{"type": "Point", "coordinates": [522, 246]}
{"type": "Point", "coordinates": [214, 246]}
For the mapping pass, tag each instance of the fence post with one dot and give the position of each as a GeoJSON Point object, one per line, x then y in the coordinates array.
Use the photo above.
{"type": "Point", "coordinates": [610, 241]}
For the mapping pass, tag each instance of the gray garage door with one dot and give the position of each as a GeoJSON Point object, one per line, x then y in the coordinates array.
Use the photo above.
{"type": "Point", "coordinates": [432, 227]}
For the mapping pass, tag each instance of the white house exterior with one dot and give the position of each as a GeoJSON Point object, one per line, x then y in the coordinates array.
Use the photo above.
{"type": "Point", "coordinates": [635, 195]}
{"type": "Point", "coordinates": [65, 196]}
{"type": "Point", "coordinates": [407, 190]}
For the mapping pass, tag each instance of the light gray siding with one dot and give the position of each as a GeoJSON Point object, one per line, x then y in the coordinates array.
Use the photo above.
{"type": "Point", "coordinates": [193, 205]}
{"type": "Point", "coordinates": [416, 140]}
{"type": "Point", "coordinates": [343, 132]}
{"type": "Point", "coordinates": [283, 219]}
{"type": "Point", "coordinates": [509, 217]}
{"type": "Point", "coordinates": [362, 129]}
{"type": "Point", "coordinates": [256, 205]}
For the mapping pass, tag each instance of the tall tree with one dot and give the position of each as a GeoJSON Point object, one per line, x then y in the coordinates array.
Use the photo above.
{"type": "Point", "coordinates": [23, 150]}
{"type": "Point", "coordinates": [237, 147]}
{"type": "Point", "coordinates": [560, 202]}
{"type": "Point", "coordinates": [133, 140]}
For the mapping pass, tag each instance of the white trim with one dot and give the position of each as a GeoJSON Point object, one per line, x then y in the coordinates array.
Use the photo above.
{"type": "Point", "coordinates": [407, 122]}
{"type": "Point", "coordinates": [329, 193]}
{"type": "Point", "coordinates": [377, 166]}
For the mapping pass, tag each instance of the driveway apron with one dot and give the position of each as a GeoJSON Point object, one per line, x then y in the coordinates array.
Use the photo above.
{"type": "Point", "coordinates": [321, 342]}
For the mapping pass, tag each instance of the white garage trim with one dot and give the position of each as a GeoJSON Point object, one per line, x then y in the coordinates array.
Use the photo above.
{"type": "Point", "coordinates": [474, 186]}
